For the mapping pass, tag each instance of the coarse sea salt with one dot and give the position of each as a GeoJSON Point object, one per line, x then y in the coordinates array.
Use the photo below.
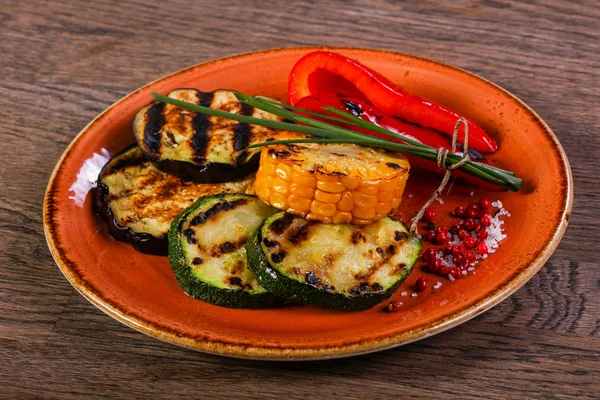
{"type": "Point", "coordinates": [404, 294]}
{"type": "Point", "coordinates": [414, 295]}
{"type": "Point", "coordinates": [87, 176]}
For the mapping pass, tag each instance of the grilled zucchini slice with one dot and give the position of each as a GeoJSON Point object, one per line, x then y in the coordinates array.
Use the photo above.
{"type": "Point", "coordinates": [199, 147]}
{"type": "Point", "coordinates": [208, 255]}
{"type": "Point", "coordinates": [138, 201]}
{"type": "Point", "coordinates": [336, 266]}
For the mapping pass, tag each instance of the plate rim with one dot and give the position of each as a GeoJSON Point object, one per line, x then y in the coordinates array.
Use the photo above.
{"type": "Point", "coordinates": [254, 352]}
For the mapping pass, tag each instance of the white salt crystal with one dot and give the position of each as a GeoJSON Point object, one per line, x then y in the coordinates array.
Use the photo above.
{"type": "Point", "coordinates": [87, 176]}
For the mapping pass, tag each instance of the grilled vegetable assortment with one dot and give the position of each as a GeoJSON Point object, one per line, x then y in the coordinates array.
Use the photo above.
{"type": "Point", "coordinates": [198, 147]}
{"type": "Point", "coordinates": [338, 266]}
{"type": "Point", "coordinates": [313, 227]}
{"type": "Point", "coordinates": [138, 201]}
{"type": "Point", "coordinates": [208, 254]}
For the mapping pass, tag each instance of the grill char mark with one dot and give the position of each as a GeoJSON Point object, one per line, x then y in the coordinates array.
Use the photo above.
{"type": "Point", "coordinates": [241, 136]}
{"type": "Point", "coordinates": [218, 250]}
{"type": "Point", "coordinates": [300, 234]}
{"type": "Point", "coordinates": [242, 132]}
{"type": "Point", "coordinates": [279, 226]}
{"type": "Point", "coordinates": [217, 208]}
{"type": "Point", "coordinates": [246, 110]}
{"type": "Point", "coordinates": [155, 120]}
{"type": "Point", "coordinates": [201, 125]}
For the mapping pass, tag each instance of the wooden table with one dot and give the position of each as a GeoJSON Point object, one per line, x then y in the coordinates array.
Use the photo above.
{"type": "Point", "coordinates": [61, 65]}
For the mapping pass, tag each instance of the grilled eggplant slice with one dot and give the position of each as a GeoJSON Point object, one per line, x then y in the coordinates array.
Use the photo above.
{"type": "Point", "coordinates": [138, 201]}
{"type": "Point", "coordinates": [208, 255]}
{"type": "Point", "coordinates": [199, 147]}
{"type": "Point", "coordinates": [337, 266]}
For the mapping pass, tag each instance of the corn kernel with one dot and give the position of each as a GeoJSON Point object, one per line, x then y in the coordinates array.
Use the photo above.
{"type": "Point", "coordinates": [396, 202]}
{"type": "Point", "coordinates": [302, 191]}
{"type": "Point", "coordinates": [267, 168]}
{"type": "Point", "coordinates": [383, 208]}
{"type": "Point", "coordinates": [341, 217]}
{"type": "Point", "coordinates": [278, 200]}
{"type": "Point", "coordinates": [369, 187]}
{"type": "Point", "coordinates": [281, 186]}
{"type": "Point", "coordinates": [321, 208]}
{"type": "Point", "coordinates": [350, 182]}
{"type": "Point", "coordinates": [362, 200]}
{"type": "Point", "coordinates": [388, 185]}
{"type": "Point", "coordinates": [298, 169]}
{"type": "Point", "coordinates": [304, 180]}
{"type": "Point", "coordinates": [331, 187]}
{"type": "Point", "coordinates": [326, 197]}
{"type": "Point", "coordinates": [300, 203]}
{"type": "Point", "coordinates": [359, 221]}
{"type": "Point", "coordinates": [284, 172]}
{"type": "Point", "coordinates": [377, 170]}
{"type": "Point", "coordinates": [363, 212]}
{"type": "Point", "coordinates": [263, 193]}
{"type": "Point", "coordinates": [385, 196]}
{"type": "Point", "coordinates": [327, 177]}
{"type": "Point", "coordinates": [297, 212]}
{"type": "Point", "coordinates": [318, 217]}
{"type": "Point", "coordinates": [389, 172]}
{"type": "Point", "coordinates": [346, 203]}
{"type": "Point", "coordinates": [402, 180]}
{"type": "Point", "coordinates": [266, 180]}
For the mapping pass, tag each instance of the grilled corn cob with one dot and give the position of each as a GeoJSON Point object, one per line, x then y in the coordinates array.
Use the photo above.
{"type": "Point", "coordinates": [342, 183]}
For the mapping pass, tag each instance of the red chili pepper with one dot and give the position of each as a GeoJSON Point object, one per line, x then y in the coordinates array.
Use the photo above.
{"type": "Point", "coordinates": [369, 113]}
{"type": "Point", "coordinates": [325, 72]}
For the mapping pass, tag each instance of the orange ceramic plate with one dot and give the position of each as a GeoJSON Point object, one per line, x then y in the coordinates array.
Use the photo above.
{"type": "Point", "coordinates": [141, 291]}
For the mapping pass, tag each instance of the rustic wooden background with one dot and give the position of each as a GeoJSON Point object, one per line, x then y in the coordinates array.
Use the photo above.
{"type": "Point", "coordinates": [62, 64]}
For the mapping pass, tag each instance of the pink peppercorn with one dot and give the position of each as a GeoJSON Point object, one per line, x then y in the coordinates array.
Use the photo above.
{"type": "Point", "coordinates": [484, 203]}
{"type": "Point", "coordinates": [422, 284]}
{"type": "Point", "coordinates": [469, 242]}
{"type": "Point", "coordinates": [481, 248]}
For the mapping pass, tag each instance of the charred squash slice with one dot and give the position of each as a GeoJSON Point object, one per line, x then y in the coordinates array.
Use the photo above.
{"type": "Point", "coordinates": [208, 255]}
{"type": "Point", "coordinates": [336, 266]}
{"type": "Point", "coordinates": [138, 201]}
{"type": "Point", "coordinates": [199, 147]}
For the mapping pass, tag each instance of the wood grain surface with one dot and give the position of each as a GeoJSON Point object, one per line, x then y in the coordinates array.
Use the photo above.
{"type": "Point", "coordinates": [62, 64]}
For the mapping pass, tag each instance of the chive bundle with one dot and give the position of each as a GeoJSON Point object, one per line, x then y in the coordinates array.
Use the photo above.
{"type": "Point", "coordinates": [324, 132]}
